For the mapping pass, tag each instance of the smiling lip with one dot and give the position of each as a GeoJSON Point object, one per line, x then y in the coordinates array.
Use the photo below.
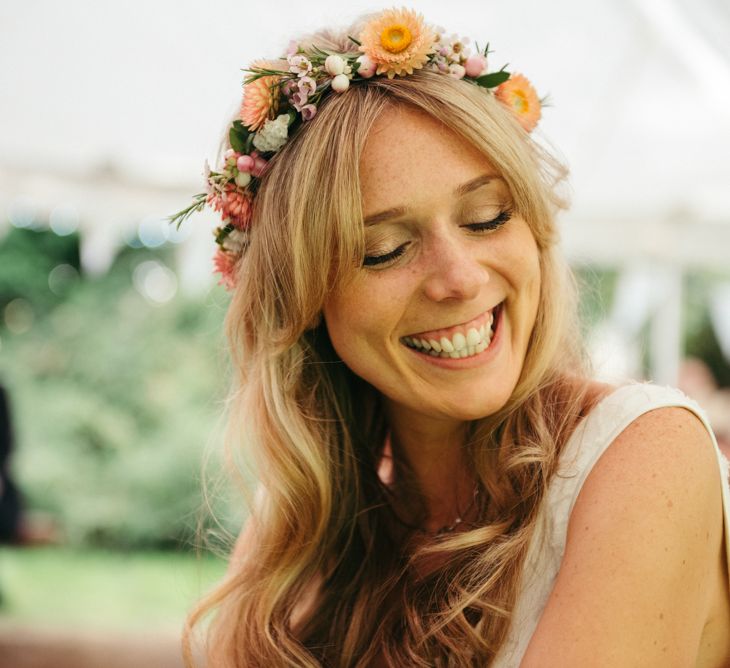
{"type": "Point", "coordinates": [477, 360]}
{"type": "Point", "coordinates": [448, 332]}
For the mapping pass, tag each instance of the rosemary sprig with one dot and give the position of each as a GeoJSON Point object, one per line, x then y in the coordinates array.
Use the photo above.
{"type": "Point", "coordinates": [198, 204]}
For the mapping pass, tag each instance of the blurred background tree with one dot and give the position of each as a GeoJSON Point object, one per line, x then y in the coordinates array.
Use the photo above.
{"type": "Point", "coordinates": [115, 398]}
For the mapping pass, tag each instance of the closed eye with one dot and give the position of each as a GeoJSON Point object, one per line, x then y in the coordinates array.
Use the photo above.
{"type": "Point", "coordinates": [493, 224]}
{"type": "Point", "coordinates": [371, 260]}
{"type": "Point", "coordinates": [485, 226]}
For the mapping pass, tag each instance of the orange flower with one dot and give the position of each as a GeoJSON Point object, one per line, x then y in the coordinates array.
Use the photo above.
{"type": "Point", "coordinates": [398, 41]}
{"type": "Point", "coordinates": [226, 264]}
{"type": "Point", "coordinates": [260, 100]}
{"type": "Point", "coordinates": [234, 204]}
{"type": "Point", "coordinates": [519, 95]}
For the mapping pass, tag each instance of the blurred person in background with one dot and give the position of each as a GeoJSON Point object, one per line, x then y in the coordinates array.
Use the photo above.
{"type": "Point", "coordinates": [441, 480]}
{"type": "Point", "coordinates": [10, 507]}
{"type": "Point", "coordinates": [16, 526]}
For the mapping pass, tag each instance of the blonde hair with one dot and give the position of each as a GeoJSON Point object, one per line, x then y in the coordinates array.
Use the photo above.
{"type": "Point", "coordinates": [314, 430]}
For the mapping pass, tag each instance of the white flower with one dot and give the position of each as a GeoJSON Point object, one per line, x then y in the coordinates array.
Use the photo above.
{"type": "Point", "coordinates": [340, 83]}
{"type": "Point", "coordinates": [457, 71]}
{"type": "Point", "coordinates": [235, 241]}
{"type": "Point", "coordinates": [273, 135]}
{"type": "Point", "coordinates": [334, 65]}
{"type": "Point", "coordinates": [206, 176]}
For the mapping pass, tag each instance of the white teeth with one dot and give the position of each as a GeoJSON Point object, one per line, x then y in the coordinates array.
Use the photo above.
{"type": "Point", "coordinates": [459, 345]}
{"type": "Point", "coordinates": [472, 337]}
{"type": "Point", "coordinates": [459, 341]}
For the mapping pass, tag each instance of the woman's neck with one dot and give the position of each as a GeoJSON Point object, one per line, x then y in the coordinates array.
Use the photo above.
{"type": "Point", "coordinates": [432, 451]}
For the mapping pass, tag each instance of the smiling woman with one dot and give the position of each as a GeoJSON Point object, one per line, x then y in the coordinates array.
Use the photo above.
{"type": "Point", "coordinates": [436, 486]}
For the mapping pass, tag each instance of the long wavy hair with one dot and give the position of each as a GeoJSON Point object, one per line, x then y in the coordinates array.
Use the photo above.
{"type": "Point", "coordinates": [316, 578]}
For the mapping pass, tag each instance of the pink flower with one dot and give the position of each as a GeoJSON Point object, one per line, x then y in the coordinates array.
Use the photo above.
{"type": "Point", "coordinates": [226, 265]}
{"type": "Point", "coordinates": [299, 99]}
{"type": "Point", "coordinates": [234, 206]}
{"type": "Point", "coordinates": [307, 85]}
{"type": "Point", "coordinates": [289, 87]}
{"type": "Point", "coordinates": [308, 112]}
{"type": "Point", "coordinates": [300, 65]}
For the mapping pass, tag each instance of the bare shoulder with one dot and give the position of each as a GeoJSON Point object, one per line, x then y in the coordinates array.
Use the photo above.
{"type": "Point", "coordinates": [635, 584]}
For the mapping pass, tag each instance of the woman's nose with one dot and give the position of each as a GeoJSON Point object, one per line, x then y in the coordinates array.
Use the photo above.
{"type": "Point", "coordinates": [454, 271]}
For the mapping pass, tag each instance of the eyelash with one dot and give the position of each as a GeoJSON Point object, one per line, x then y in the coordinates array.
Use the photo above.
{"type": "Point", "coordinates": [501, 219]}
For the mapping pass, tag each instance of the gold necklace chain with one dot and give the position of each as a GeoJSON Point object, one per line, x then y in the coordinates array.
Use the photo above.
{"type": "Point", "coordinates": [444, 529]}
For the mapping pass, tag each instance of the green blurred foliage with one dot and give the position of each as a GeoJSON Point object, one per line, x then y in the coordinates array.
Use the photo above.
{"type": "Point", "coordinates": [115, 399]}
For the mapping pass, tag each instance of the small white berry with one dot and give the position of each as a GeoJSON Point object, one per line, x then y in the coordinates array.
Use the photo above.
{"type": "Point", "coordinates": [243, 179]}
{"type": "Point", "coordinates": [340, 83]}
{"type": "Point", "coordinates": [334, 65]}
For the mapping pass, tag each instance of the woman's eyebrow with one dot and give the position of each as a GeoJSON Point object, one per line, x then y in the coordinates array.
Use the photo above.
{"type": "Point", "coordinates": [459, 191]}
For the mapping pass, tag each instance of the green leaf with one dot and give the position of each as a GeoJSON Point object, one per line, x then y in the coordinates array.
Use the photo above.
{"type": "Point", "coordinates": [493, 79]}
{"type": "Point", "coordinates": [352, 39]}
{"type": "Point", "coordinates": [249, 144]}
{"type": "Point", "coordinates": [237, 139]}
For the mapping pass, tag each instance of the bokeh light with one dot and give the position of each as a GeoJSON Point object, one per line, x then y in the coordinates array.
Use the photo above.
{"type": "Point", "coordinates": [61, 278]}
{"type": "Point", "coordinates": [155, 282]}
{"type": "Point", "coordinates": [153, 231]}
{"type": "Point", "coordinates": [64, 219]}
{"type": "Point", "coordinates": [18, 315]}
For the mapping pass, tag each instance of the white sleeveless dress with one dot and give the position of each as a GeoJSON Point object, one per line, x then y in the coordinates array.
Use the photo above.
{"type": "Point", "coordinates": [608, 418]}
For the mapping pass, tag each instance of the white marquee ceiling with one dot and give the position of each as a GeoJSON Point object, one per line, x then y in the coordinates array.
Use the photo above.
{"type": "Point", "coordinates": [111, 107]}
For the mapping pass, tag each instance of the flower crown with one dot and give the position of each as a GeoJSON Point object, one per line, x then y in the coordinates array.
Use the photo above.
{"type": "Point", "coordinates": [279, 96]}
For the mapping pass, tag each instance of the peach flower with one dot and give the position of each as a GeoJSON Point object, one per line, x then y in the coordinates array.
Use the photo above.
{"type": "Point", "coordinates": [520, 96]}
{"type": "Point", "coordinates": [260, 98]}
{"type": "Point", "coordinates": [397, 41]}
